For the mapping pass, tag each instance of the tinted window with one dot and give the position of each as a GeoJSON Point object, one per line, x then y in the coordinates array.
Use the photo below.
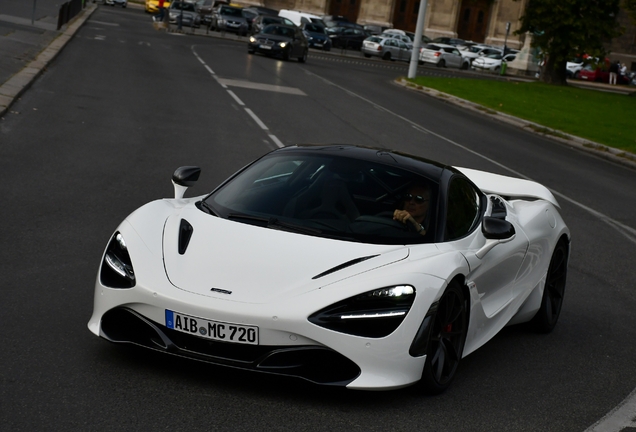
{"type": "Point", "coordinates": [325, 195]}
{"type": "Point", "coordinates": [462, 209]}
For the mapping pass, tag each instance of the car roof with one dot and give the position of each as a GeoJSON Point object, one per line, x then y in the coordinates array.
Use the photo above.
{"type": "Point", "coordinates": [426, 167]}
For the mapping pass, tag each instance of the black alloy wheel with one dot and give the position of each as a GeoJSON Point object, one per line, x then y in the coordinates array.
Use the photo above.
{"type": "Point", "coordinates": [303, 58]}
{"type": "Point", "coordinates": [548, 314]}
{"type": "Point", "coordinates": [446, 340]}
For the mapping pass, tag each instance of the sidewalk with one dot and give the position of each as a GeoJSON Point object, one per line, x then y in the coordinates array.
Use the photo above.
{"type": "Point", "coordinates": [26, 49]}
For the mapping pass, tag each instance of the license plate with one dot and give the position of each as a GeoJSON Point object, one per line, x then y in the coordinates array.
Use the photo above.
{"type": "Point", "coordinates": [319, 45]}
{"type": "Point", "coordinates": [215, 330]}
{"type": "Point", "coordinates": [265, 47]}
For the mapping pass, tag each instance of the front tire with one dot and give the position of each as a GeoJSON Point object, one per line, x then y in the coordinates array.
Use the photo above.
{"type": "Point", "coordinates": [303, 58]}
{"type": "Point", "coordinates": [446, 340]}
{"type": "Point", "coordinates": [548, 314]}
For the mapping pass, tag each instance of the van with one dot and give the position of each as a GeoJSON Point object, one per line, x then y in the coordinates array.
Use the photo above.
{"type": "Point", "coordinates": [298, 17]}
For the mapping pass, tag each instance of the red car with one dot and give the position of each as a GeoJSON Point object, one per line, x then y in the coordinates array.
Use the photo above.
{"type": "Point", "coordinates": [600, 73]}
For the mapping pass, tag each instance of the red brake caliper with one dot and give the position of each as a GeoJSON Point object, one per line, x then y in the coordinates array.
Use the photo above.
{"type": "Point", "coordinates": [448, 328]}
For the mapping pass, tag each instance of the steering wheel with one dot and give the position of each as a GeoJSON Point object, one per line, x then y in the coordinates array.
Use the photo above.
{"type": "Point", "coordinates": [384, 220]}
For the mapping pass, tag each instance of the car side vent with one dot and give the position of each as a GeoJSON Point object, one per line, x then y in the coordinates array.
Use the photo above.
{"type": "Point", "coordinates": [342, 266]}
{"type": "Point", "coordinates": [185, 233]}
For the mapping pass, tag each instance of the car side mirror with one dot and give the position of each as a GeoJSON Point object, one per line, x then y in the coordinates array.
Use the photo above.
{"type": "Point", "coordinates": [496, 230]}
{"type": "Point", "coordinates": [183, 178]}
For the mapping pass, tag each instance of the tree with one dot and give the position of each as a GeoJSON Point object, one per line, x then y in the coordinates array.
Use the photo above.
{"type": "Point", "coordinates": [564, 29]}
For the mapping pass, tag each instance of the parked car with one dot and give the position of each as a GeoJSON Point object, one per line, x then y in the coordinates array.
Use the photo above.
{"type": "Point", "coordinates": [443, 55]}
{"type": "Point", "coordinates": [317, 36]}
{"type": "Point", "coordinates": [205, 7]}
{"type": "Point", "coordinates": [152, 6]}
{"type": "Point", "coordinates": [252, 12]}
{"type": "Point", "coordinates": [292, 267]}
{"type": "Point", "coordinates": [425, 39]}
{"type": "Point", "coordinates": [475, 51]}
{"type": "Point", "coordinates": [228, 18]}
{"type": "Point", "coordinates": [122, 3]}
{"type": "Point", "coordinates": [492, 62]}
{"type": "Point", "coordinates": [262, 21]}
{"type": "Point", "coordinates": [387, 48]}
{"type": "Point", "coordinates": [285, 41]}
{"type": "Point", "coordinates": [184, 12]}
{"type": "Point", "coordinates": [337, 21]}
{"type": "Point", "coordinates": [298, 17]}
{"type": "Point", "coordinates": [347, 37]}
{"type": "Point", "coordinates": [600, 73]}
{"type": "Point", "coordinates": [450, 41]}
{"type": "Point", "coordinates": [399, 35]}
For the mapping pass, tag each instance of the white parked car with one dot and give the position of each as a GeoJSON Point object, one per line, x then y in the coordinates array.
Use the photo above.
{"type": "Point", "coordinates": [295, 266]}
{"type": "Point", "coordinates": [475, 51]}
{"type": "Point", "coordinates": [387, 48]}
{"type": "Point", "coordinates": [443, 55]}
{"type": "Point", "coordinates": [492, 62]}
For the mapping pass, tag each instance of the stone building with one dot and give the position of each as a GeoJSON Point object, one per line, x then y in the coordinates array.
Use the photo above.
{"type": "Point", "coordinates": [483, 21]}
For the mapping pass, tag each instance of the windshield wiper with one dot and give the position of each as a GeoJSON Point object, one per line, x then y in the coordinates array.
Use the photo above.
{"type": "Point", "coordinates": [209, 208]}
{"type": "Point", "coordinates": [286, 226]}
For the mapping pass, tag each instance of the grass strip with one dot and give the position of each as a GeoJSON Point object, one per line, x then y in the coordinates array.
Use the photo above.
{"type": "Point", "coordinates": [606, 118]}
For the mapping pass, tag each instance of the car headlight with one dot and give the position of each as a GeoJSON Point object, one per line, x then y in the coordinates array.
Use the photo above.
{"type": "Point", "coordinates": [372, 314]}
{"type": "Point", "coordinates": [252, 39]}
{"type": "Point", "coordinates": [282, 44]}
{"type": "Point", "coordinates": [117, 270]}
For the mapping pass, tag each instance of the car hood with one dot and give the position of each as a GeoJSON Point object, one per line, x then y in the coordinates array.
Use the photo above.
{"type": "Point", "coordinates": [258, 264]}
{"type": "Point", "coordinates": [275, 38]}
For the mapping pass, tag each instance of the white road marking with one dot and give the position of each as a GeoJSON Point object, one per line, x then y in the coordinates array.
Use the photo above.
{"type": "Point", "coordinates": [246, 84]}
{"type": "Point", "coordinates": [259, 86]}
{"type": "Point", "coordinates": [621, 417]}
{"type": "Point", "coordinates": [256, 119]}
{"type": "Point", "coordinates": [238, 101]}
{"type": "Point", "coordinates": [100, 37]}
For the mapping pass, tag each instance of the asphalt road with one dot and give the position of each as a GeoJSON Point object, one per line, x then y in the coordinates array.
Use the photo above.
{"type": "Point", "coordinates": [101, 132]}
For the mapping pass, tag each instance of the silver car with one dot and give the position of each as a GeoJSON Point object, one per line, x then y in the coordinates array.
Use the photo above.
{"type": "Point", "coordinates": [387, 48]}
{"type": "Point", "coordinates": [443, 55]}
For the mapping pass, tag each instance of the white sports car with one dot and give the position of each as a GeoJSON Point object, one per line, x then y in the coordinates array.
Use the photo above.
{"type": "Point", "coordinates": [295, 266]}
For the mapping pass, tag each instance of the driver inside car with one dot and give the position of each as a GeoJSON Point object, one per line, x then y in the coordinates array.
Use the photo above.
{"type": "Point", "coordinates": [415, 208]}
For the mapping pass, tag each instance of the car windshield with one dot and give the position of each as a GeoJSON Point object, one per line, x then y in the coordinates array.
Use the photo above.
{"type": "Point", "coordinates": [230, 11]}
{"type": "Point", "coordinates": [326, 195]}
{"type": "Point", "coordinates": [315, 28]}
{"type": "Point", "coordinates": [279, 31]}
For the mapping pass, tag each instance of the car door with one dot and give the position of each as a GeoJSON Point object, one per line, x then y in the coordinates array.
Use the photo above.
{"type": "Point", "coordinates": [404, 51]}
{"type": "Point", "coordinates": [456, 57]}
{"type": "Point", "coordinates": [492, 271]}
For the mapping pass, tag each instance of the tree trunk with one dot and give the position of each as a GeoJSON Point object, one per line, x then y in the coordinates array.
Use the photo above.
{"type": "Point", "coordinates": [554, 71]}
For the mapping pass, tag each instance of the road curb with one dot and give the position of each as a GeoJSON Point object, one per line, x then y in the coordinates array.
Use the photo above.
{"type": "Point", "coordinates": [615, 155]}
{"type": "Point", "coordinates": [13, 88]}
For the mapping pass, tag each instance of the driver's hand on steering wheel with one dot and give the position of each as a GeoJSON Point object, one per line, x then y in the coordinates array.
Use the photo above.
{"type": "Point", "coordinates": [404, 217]}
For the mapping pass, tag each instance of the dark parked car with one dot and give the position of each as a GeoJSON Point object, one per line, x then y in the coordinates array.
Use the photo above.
{"type": "Point", "coordinates": [204, 9]}
{"type": "Point", "coordinates": [347, 37]}
{"type": "Point", "coordinates": [316, 36]}
{"type": "Point", "coordinates": [184, 12]}
{"type": "Point", "coordinates": [252, 12]}
{"type": "Point", "coordinates": [228, 18]}
{"type": "Point", "coordinates": [280, 40]}
{"type": "Point", "coordinates": [450, 41]}
{"type": "Point", "coordinates": [262, 21]}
